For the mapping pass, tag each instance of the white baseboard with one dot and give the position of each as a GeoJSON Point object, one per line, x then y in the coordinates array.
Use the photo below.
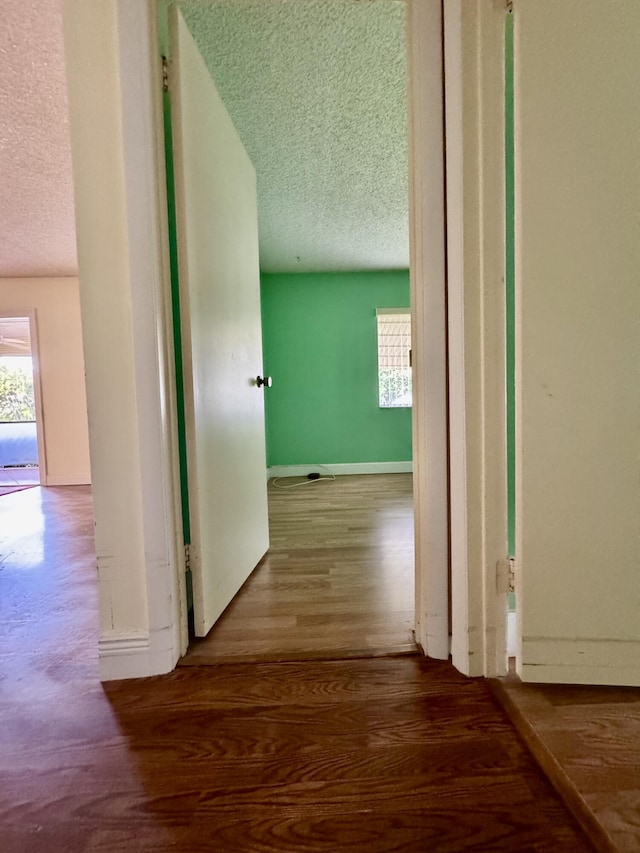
{"type": "Point", "coordinates": [340, 468]}
{"type": "Point", "coordinates": [68, 480]}
{"type": "Point", "coordinates": [131, 656]}
{"type": "Point", "coordinates": [566, 660]}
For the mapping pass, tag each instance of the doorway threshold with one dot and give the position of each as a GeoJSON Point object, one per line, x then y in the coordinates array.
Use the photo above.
{"type": "Point", "coordinates": [206, 657]}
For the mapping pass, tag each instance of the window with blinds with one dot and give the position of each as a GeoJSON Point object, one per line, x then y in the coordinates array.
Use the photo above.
{"type": "Point", "coordinates": [394, 357]}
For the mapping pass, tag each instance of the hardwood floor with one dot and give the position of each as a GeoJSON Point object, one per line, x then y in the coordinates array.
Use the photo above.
{"type": "Point", "coordinates": [363, 755]}
{"type": "Point", "coordinates": [396, 754]}
{"type": "Point", "coordinates": [337, 582]}
{"type": "Point", "coordinates": [587, 739]}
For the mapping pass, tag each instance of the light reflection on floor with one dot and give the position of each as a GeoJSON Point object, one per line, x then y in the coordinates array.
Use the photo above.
{"type": "Point", "coordinates": [22, 524]}
{"type": "Point", "coordinates": [16, 479]}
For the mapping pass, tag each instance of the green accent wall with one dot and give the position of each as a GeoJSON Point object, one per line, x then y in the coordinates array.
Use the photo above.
{"type": "Point", "coordinates": [320, 347]}
{"type": "Point", "coordinates": [175, 304]}
{"type": "Point", "coordinates": [177, 335]}
{"type": "Point", "coordinates": [510, 284]}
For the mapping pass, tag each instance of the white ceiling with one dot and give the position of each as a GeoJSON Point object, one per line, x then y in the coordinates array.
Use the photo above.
{"type": "Point", "coordinates": [316, 89]}
{"type": "Point", "coordinates": [37, 223]}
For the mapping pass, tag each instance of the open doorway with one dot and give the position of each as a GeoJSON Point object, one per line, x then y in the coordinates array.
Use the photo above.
{"type": "Point", "coordinates": [327, 418]}
{"type": "Point", "coordinates": [19, 407]}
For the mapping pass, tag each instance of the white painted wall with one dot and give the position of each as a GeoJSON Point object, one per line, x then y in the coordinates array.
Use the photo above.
{"type": "Point", "coordinates": [115, 90]}
{"type": "Point", "coordinates": [56, 303]}
{"type": "Point", "coordinates": [577, 98]}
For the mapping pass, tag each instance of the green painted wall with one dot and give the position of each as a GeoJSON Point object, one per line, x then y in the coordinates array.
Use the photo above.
{"type": "Point", "coordinates": [175, 304]}
{"type": "Point", "coordinates": [510, 284]}
{"type": "Point", "coordinates": [320, 347]}
{"type": "Point", "coordinates": [177, 335]}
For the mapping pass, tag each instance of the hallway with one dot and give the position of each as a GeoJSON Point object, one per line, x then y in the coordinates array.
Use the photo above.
{"type": "Point", "coordinates": [364, 755]}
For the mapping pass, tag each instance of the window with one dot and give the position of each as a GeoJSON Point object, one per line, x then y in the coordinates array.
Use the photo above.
{"type": "Point", "coordinates": [394, 357]}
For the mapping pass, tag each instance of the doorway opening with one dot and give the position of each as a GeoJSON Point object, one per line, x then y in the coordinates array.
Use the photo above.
{"type": "Point", "coordinates": [19, 443]}
{"type": "Point", "coordinates": [313, 345]}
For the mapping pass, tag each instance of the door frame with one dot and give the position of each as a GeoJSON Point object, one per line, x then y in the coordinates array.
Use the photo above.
{"type": "Point", "coordinates": [428, 270]}
{"type": "Point", "coordinates": [458, 269]}
{"type": "Point", "coordinates": [428, 273]}
{"type": "Point", "coordinates": [114, 74]}
{"type": "Point", "coordinates": [475, 218]}
{"type": "Point", "coordinates": [458, 328]}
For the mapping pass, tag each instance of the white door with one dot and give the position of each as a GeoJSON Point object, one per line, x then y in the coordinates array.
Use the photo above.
{"type": "Point", "coordinates": [577, 135]}
{"type": "Point", "coordinates": [222, 346]}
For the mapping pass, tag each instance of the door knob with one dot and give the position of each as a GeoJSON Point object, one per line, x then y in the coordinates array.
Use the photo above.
{"type": "Point", "coordinates": [267, 381]}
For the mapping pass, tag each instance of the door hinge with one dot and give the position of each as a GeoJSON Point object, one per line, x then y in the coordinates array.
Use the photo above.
{"type": "Point", "coordinates": [165, 74]}
{"type": "Point", "coordinates": [187, 558]}
{"type": "Point", "coordinates": [505, 575]}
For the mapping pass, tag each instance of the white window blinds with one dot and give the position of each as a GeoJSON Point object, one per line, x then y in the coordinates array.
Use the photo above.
{"type": "Point", "coordinates": [14, 336]}
{"type": "Point", "coordinates": [394, 360]}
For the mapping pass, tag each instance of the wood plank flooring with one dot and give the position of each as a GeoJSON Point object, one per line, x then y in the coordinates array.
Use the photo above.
{"type": "Point", "coordinates": [393, 754]}
{"type": "Point", "coordinates": [337, 582]}
{"type": "Point", "coordinates": [364, 755]}
{"type": "Point", "coordinates": [587, 739]}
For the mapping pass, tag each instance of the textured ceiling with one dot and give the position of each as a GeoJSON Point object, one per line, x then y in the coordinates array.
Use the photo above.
{"type": "Point", "coordinates": [317, 92]}
{"type": "Point", "coordinates": [37, 225]}
{"type": "Point", "coordinates": [316, 89]}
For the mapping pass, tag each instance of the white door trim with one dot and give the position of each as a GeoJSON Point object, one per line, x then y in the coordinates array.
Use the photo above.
{"type": "Point", "coordinates": [114, 79]}
{"type": "Point", "coordinates": [474, 120]}
{"type": "Point", "coordinates": [459, 453]}
{"type": "Point", "coordinates": [428, 319]}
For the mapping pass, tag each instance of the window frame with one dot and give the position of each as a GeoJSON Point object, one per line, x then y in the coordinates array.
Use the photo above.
{"type": "Point", "coordinates": [404, 380]}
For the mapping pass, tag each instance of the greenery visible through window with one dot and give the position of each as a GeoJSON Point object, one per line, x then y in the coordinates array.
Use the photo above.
{"type": "Point", "coordinates": [394, 357]}
{"type": "Point", "coordinates": [17, 402]}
